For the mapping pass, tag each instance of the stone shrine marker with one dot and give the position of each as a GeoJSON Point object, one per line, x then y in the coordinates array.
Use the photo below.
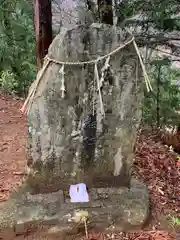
{"type": "Point", "coordinates": [70, 139]}
{"type": "Point", "coordinates": [82, 129]}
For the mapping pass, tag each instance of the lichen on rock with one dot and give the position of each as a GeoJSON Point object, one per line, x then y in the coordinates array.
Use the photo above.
{"type": "Point", "coordinates": [69, 139]}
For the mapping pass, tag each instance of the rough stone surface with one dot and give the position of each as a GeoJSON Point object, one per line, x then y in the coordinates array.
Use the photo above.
{"type": "Point", "coordinates": [67, 144]}
{"type": "Point", "coordinates": [71, 142]}
{"type": "Point", "coordinates": [69, 14]}
{"type": "Point", "coordinates": [108, 210]}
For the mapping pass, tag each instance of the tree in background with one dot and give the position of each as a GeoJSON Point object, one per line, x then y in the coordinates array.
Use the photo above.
{"type": "Point", "coordinates": [43, 29]}
{"type": "Point", "coordinates": [161, 107]}
{"type": "Point", "coordinates": [105, 11]}
{"type": "Point", "coordinates": [156, 26]}
{"type": "Point", "coordinates": [154, 23]}
{"type": "Point", "coordinates": [17, 46]}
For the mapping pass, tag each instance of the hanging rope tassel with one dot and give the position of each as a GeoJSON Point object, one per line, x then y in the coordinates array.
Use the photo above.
{"type": "Point", "coordinates": [27, 104]}
{"type": "Point", "coordinates": [104, 68]}
{"type": "Point", "coordinates": [94, 96]}
{"type": "Point", "coordinates": [62, 89]}
{"type": "Point", "coordinates": [146, 78]}
{"type": "Point", "coordinates": [96, 75]}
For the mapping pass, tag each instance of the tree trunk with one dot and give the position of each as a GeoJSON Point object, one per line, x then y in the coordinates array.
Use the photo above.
{"type": "Point", "coordinates": [43, 28]}
{"type": "Point", "coordinates": [105, 11]}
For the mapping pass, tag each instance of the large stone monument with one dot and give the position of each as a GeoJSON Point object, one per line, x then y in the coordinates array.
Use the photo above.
{"type": "Point", "coordinates": [82, 129]}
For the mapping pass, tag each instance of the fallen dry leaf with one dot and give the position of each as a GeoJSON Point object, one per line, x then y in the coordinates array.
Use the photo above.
{"type": "Point", "coordinates": [154, 164]}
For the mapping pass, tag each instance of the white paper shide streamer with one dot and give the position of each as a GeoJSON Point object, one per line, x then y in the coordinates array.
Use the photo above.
{"type": "Point", "coordinates": [96, 75]}
{"type": "Point", "coordinates": [62, 73]}
{"type": "Point", "coordinates": [28, 102]}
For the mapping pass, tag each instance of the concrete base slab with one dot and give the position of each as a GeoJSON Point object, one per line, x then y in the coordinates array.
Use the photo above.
{"type": "Point", "coordinates": [109, 209]}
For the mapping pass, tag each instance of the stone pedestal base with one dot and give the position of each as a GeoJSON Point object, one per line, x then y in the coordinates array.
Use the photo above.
{"type": "Point", "coordinates": [109, 209]}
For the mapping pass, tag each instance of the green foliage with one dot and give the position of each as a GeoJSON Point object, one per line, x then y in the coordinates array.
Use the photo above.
{"type": "Point", "coordinates": [165, 79]}
{"type": "Point", "coordinates": [8, 82]}
{"type": "Point", "coordinates": [17, 46]}
{"type": "Point", "coordinates": [159, 13]}
{"type": "Point", "coordinates": [174, 221]}
{"type": "Point", "coordinates": [18, 57]}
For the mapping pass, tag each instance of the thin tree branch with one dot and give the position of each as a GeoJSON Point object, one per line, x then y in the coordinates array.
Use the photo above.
{"type": "Point", "coordinates": [145, 21]}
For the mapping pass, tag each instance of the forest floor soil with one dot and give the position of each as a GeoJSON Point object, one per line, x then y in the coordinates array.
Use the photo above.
{"type": "Point", "coordinates": [154, 163]}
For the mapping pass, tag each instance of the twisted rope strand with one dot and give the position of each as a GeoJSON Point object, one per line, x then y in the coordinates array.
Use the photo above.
{"type": "Point", "coordinates": [28, 102]}
{"type": "Point", "coordinates": [95, 60]}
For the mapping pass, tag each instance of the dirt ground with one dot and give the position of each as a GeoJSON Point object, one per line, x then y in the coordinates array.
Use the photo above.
{"type": "Point", "coordinates": [13, 130]}
{"type": "Point", "coordinates": [155, 164]}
